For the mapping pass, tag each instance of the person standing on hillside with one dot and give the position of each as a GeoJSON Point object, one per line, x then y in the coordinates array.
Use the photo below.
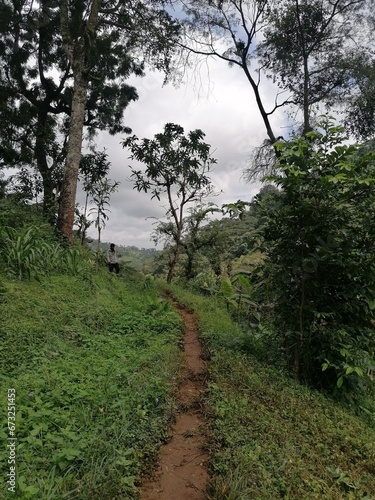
{"type": "Point", "coordinates": [112, 259]}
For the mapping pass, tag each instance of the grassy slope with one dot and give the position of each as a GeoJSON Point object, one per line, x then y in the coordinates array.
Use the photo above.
{"type": "Point", "coordinates": [270, 437]}
{"type": "Point", "coordinates": [92, 362]}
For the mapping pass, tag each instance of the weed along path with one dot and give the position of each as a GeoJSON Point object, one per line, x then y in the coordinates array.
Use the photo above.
{"type": "Point", "coordinates": [181, 473]}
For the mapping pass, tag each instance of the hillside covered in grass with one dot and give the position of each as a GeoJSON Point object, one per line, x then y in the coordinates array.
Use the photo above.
{"type": "Point", "coordinates": [94, 359]}
{"type": "Point", "coordinates": [94, 362]}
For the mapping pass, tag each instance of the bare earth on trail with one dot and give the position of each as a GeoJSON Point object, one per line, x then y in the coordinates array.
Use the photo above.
{"type": "Point", "coordinates": [181, 472]}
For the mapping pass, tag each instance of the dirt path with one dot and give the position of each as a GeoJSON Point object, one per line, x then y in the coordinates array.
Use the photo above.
{"type": "Point", "coordinates": [181, 472]}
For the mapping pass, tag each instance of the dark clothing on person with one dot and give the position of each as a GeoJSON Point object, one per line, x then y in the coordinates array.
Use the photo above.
{"type": "Point", "coordinates": [114, 267]}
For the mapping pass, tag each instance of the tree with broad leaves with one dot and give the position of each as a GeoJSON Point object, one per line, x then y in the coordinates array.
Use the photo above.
{"type": "Point", "coordinates": [197, 235]}
{"type": "Point", "coordinates": [25, 186]}
{"type": "Point", "coordinates": [64, 66]}
{"type": "Point", "coordinates": [318, 236]}
{"type": "Point", "coordinates": [82, 222]}
{"type": "Point", "coordinates": [140, 28]}
{"type": "Point", "coordinates": [94, 168]}
{"type": "Point", "coordinates": [176, 166]}
{"type": "Point", "coordinates": [309, 49]}
{"type": "Point", "coordinates": [36, 86]}
{"type": "Point", "coordinates": [32, 135]}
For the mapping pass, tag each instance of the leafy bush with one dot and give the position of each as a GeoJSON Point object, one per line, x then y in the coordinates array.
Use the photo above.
{"type": "Point", "coordinates": [21, 250]}
{"type": "Point", "coordinates": [238, 293]}
{"type": "Point", "coordinates": [18, 215]}
{"type": "Point", "coordinates": [28, 256]}
{"type": "Point", "coordinates": [320, 264]}
{"type": "Point", "coordinates": [205, 282]}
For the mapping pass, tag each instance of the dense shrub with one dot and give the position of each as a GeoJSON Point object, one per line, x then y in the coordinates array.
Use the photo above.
{"type": "Point", "coordinates": [320, 265]}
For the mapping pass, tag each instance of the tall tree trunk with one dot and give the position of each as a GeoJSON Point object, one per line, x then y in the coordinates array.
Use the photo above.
{"type": "Point", "coordinates": [99, 238]}
{"type": "Point", "coordinates": [78, 51]}
{"type": "Point", "coordinates": [306, 106]}
{"type": "Point", "coordinates": [189, 265]}
{"type": "Point", "coordinates": [69, 185]}
{"type": "Point", "coordinates": [84, 226]}
{"type": "Point", "coordinates": [178, 221]}
{"type": "Point", "coordinates": [263, 112]}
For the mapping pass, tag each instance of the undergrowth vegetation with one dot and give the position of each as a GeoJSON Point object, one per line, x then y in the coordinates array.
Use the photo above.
{"type": "Point", "coordinates": [27, 255]}
{"type": "Point", "coordinates": [269, 436]}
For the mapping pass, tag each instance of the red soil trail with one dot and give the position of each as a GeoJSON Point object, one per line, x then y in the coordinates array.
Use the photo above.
{"type": "Point", "coordinates": [181, 473]}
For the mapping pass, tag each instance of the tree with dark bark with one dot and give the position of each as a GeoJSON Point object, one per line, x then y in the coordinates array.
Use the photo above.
{"type": "Point", "coordinates": [176, 166]}
{"type": "Point", "coordinates": [31, 99]}
{"type": "Point", "coordinates": [227, 30]}
{"type": "Point", "coordinates": [309, 50]}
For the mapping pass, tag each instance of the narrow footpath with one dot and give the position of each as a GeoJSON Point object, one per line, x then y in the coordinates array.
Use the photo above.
{"type": "Point", "coordinates": [181, 473]}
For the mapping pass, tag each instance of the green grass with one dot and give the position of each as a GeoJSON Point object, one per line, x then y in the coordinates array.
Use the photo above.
{"type": "Point", "coordinates": [269, 436]}
{"type": "Point", "coordinates": [93, 361]}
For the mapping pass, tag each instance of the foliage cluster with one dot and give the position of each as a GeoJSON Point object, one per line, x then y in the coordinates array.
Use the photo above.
{"type": "Point", "coordinates": [319, 55]}
{"type": "Point", "coordinates": [85, 54]}
{"type": "Point", "coordinates": [26, 255]}
{"type": "Point", "coordinates": [320, 264]}
{"type": "Point", "coordinates": [212, 245]}
{"type": "Point", "coordinates": [18, 215]}
{"type": "Point", "coordinates": [93, 364]}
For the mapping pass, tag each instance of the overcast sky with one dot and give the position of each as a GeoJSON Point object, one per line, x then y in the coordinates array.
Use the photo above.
{"type": "Point", "coordinates": [222, 105]}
